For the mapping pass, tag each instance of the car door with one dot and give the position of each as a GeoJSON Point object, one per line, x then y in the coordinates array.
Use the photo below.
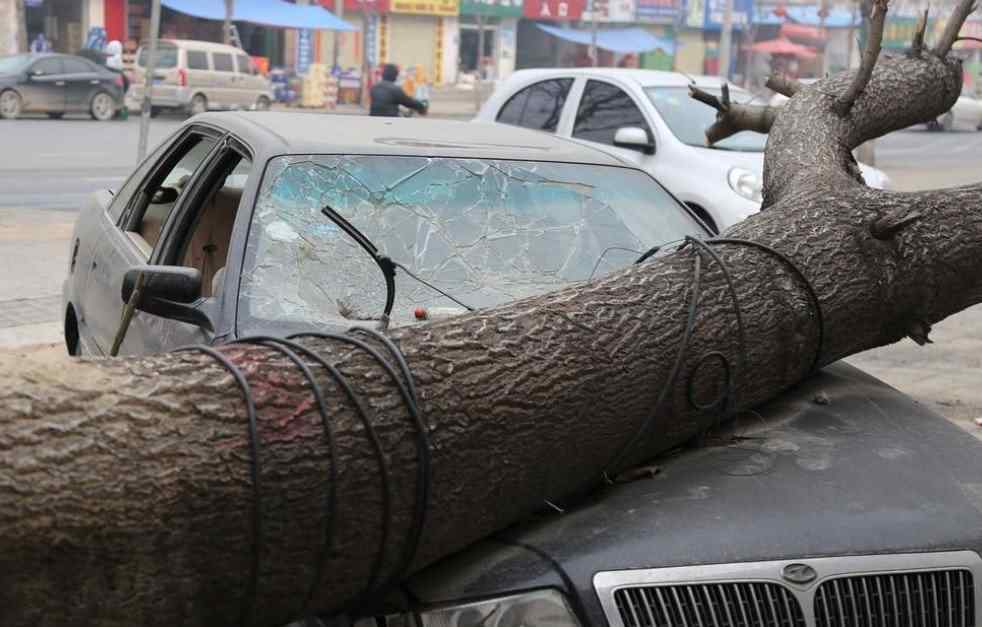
{"type": "Point", "coordinates": [603, 108]}
{"type": "Point", "coordinates": [134, 241]}
{"type": "Point", "coordinates": [82, 80]}
{"type": "Point", "coordinates": [248, 82]}
{"type": "Point", "coordinates": [225, 86]}
{"type": "Point", "coordinates": [45, 87]}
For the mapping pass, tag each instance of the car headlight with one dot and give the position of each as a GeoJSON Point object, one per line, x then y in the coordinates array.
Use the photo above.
{"type": "Point", "coordinates": [543, 608]}
{"type": "Point", "coordinates": [745, 183]}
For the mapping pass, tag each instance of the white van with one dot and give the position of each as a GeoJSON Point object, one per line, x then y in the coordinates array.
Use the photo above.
{"type": "Point", "coordinates": [198, 76]}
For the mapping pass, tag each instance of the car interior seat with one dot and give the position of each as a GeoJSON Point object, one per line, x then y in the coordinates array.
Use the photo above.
{"type": "Point", "coordinates": [207, 248]}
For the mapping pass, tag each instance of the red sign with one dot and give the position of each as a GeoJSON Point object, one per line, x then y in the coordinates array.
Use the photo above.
{"type": "Point", "coordinates": [359, 6]}
{"type": "Point", "coordinates": [559, 10]}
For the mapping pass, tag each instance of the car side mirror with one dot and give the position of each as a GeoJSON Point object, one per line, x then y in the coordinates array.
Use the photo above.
{"type": "Point", "coordinates": [634, 138]}
{"type": "Point", "coordinates": [172, 292]}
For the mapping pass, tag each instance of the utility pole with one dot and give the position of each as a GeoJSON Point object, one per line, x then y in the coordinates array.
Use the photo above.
{"type": "Point", "coordinates": [823, 12]}
{"type": "Point", "coordinates": [478, 94]}
{"type": "Point", "coordinates": [227, 25]}
{"type": "Point", "coordinates": [726, 40]}
{"type": "Point", "coordinates": [20, 14]}
{"type": "Point", "coordinates": [593, 32]}
{"type": "Point", "coordinates": [150, 69]}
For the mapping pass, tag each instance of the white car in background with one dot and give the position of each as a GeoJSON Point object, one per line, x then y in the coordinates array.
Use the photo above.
{"type": "Point", "coordinates": [967, 113]}
{"type": "Point", "coordinates": [647, 118]}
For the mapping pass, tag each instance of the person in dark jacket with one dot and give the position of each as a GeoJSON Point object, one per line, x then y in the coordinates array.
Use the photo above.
{"type": "Point", "coordinates": [386, 96]}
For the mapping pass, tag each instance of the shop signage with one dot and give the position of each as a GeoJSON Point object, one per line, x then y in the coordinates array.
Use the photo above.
{"type": "Point", "coordinates": [360, 6]}
{"type": "Point", "coordinates": [305, 50]}
{"type": "Point", "coordinates": [559, 10]}
{"type": "Point", "coordinates": [656, 10]}
{"type": "Point", "coordinates": [494, 8]}
{"type": "Point", "coordinates": [708, 14]}
{"type": "Point", "coordinates": [425, 7]}
{"type": "Point", "coordinates": [610, 10]}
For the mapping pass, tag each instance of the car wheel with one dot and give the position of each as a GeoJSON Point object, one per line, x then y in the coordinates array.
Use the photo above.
{"type": "Point", "coordinates": [933, 125]}
{"type": "Point", "coordinates": [199, 104]}
{"type": "Point", "coordinates": [262, 103]}
{"type": "Point", "coordinates": [56, 115]}
{"type": "Point", "coordinates": [11, 105]}
{"type": "Point", "coordinates": [102, 107]}
{"type": "Point", "coordinates": [155, 111]}
{"type": "Point", "coordinates": [948, 122]}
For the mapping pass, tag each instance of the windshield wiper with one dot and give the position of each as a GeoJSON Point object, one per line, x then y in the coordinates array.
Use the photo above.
{"type": "Point", "coordinates": [385, 263]}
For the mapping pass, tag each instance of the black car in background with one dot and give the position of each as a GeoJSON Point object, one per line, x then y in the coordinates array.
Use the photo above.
{"type": "Point", "coordinates": [57, 84]}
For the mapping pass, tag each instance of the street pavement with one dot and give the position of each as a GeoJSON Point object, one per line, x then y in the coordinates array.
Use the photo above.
{"type": "Point", "coordinates": [48, 168]}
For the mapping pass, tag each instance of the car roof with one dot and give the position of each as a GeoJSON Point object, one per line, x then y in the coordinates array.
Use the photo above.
{"type": "Point", "coordinates": [206, 46]}
{"type": "Point", "coordinates": [278, 133]}
{"type": "Point", "coordinates": [644, 78]}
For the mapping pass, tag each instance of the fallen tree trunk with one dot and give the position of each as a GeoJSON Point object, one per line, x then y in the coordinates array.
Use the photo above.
{"type": "Point", "coordinates": [136, 492]}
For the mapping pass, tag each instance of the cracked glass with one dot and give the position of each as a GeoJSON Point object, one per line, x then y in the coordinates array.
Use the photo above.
{"type": "Point", "coordinates": [483, 231]}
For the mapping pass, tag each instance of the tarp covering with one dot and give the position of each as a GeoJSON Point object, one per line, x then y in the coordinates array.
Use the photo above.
{"type": "Point", "coordinates": [620, 40]}
{"type": "Point", "coordinates": [266, 12]}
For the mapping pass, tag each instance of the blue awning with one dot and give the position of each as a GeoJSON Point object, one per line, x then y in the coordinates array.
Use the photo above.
{"type": "Point", "coordinates": [808, 15]}
{"type": "Point", "coordinates": [620, 40]}
{"type": "Point", "coordinates": [266, 12]}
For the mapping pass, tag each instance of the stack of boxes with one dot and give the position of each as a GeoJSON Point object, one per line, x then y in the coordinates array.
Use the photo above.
{"type": "Point", "coordinates": [320, 87]}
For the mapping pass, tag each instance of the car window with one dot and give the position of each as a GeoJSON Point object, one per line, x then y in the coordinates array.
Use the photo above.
{"type": "Point", "coordinates": [78, 66]}
{"type": "Point", "coordinates": [245, 64]}
{"type": "Point", "coordinates": [222, 62]}
{"type": "Point", "coordinates": [203, 240]}
{"type": "Point", "coordinates": [603, 109]}
{"type": "Point", "coordinates": [537, 106]}
{"type": "Point", "coordinates": [121, 199]}
{"type": "Point", "coordinates": [47, 67]}
{"type": "Point", "coordinates": [166, 56]}
{"type": "Point", "coordinates": [485, 231]}
{"type": "Point", "coordinates": [162, 192]}
{"type": "Point", "coordinates": [688, 119]}
{"type": "Point", "coordinates": [197, 60]}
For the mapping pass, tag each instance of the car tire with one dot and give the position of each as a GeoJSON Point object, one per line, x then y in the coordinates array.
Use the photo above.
{"type": "Point", "coordinates": [56, 115]}
{"type": "Point", "coordinates": [102, 108]}
{"type": "Point", "coordinates": [199, 104]}
{"type": "Point", "coordinates": [263, 103]}
{"type": "Point", "coordinates": [155, 111]}
{"type": "Point", "coordinates": [11, 105]}
{"type": "Point", "coordinates": [948, 122]}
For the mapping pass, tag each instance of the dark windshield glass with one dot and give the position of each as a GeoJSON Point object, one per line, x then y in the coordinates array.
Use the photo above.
{"type": "Point", "coordinates": [485, 231]}
{"type": "Point", "coordinates": [166, 56]}
{"type": "Point", "coordinates": [14, 64]}
{"type": "Point", "coordinates": [689, 119]}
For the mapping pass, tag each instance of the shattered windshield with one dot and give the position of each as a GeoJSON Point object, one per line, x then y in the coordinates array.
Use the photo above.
{"type": "Point", "coordinates": [689, 119]}
{"type": "Point", "coordinates": [484, 231]}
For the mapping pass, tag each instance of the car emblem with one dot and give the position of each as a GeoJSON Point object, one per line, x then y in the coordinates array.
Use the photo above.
{"type": "Point", "coordinates": [799, 573]}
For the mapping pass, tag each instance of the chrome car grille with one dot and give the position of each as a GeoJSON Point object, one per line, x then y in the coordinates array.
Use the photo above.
{"type": "Point", "coordinates": [942, 598]}
{"type": "Point", "coordinates": [905, 590]}
{"type": "Point", "coordinates": [723, 605]}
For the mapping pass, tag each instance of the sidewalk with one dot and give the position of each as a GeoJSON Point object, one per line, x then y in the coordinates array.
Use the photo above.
{"type": "Point", "coordinates": [34, 249]}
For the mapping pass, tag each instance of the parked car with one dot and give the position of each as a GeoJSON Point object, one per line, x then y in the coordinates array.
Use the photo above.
{"type": "Point", "coordinates": [967, 113]}
{"type": "Point", "coordinates": [57, 84]}
{"type": "Point", "coordinates": [198, 76]}
{"type": "Point", "coordinates": [647, 117]}
{"type": "Point", "coordinates": [863, 509]}
{"type": "Point", "coordinates": [237, 199]}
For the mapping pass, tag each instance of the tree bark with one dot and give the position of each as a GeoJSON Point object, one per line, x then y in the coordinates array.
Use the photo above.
{"type": "Point", "coordinates": [126, 487]}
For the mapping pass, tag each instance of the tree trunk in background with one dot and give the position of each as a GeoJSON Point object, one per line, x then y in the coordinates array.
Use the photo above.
{"type": "Point", "coordinates": [126, 494]}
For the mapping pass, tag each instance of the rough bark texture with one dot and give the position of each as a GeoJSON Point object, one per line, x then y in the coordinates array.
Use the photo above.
{"type": "Point", "coordinates": [125, 488]}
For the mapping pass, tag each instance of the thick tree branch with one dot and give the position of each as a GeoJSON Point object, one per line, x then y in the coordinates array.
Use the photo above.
{"type": "Point", "coordinates": [958, 16]}
{"type": "Point", "coordinates": [732, 118]}
{"type": "Point", "coordinates": [870, 56]}
{"type": "Point", "coordinates": [917, 44]}
{"type": "Point", "coordinates": [783, 85]}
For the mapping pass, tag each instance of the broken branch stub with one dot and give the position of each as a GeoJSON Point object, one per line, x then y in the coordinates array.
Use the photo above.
{"type": "Point", "coordinates": [148, 491]}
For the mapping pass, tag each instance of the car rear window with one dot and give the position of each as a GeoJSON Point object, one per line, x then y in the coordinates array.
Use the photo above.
{"type": "Point", "coordinates": [197, 60]}
{"type": "Point", "coordinates": [223, 62]}
{"type": "Point", "coordinates": [166, 56]}
{"type": "Point", "coordinates": [245, 64]}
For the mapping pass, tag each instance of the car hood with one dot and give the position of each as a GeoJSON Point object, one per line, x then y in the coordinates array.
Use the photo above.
{"type": "Point", "coordinates": [866, 470]}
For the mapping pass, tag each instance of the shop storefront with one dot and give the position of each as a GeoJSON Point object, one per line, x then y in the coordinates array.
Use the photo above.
{"type": "Point", "coordinates": [497, 20]}
{"type": "Point", "coordinates": [417, 35]}
{"type": "Point", "coordinates": [658, 18]}
{"type": "Point", "coordinates": [535, 48]}
{"type": "Point", "coordinates": [58, 25]}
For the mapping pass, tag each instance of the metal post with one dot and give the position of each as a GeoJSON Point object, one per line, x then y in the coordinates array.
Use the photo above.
{"type": "Point", "coordinates": [726, 40]}
{"type": "Point", "coordinates": [21, 17]}
{"type": "Point", "coordinates": [339, 11]}
{"type": "Point", "coordinates": [593, 33]}
{"type": "Point", "coordinates": [227, 25]}
{"type": "Point", "coordinates": [823, 9]}
{"type": "Point", "coordinates": [149, 69]}
{"type": "Point", "coordinates": [480, 53]}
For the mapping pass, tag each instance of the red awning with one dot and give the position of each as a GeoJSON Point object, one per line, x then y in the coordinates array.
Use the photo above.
{"type": "Point", "coordinates": [784, 46]}
{"type": "Point", "coordinates": [801, 31]}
